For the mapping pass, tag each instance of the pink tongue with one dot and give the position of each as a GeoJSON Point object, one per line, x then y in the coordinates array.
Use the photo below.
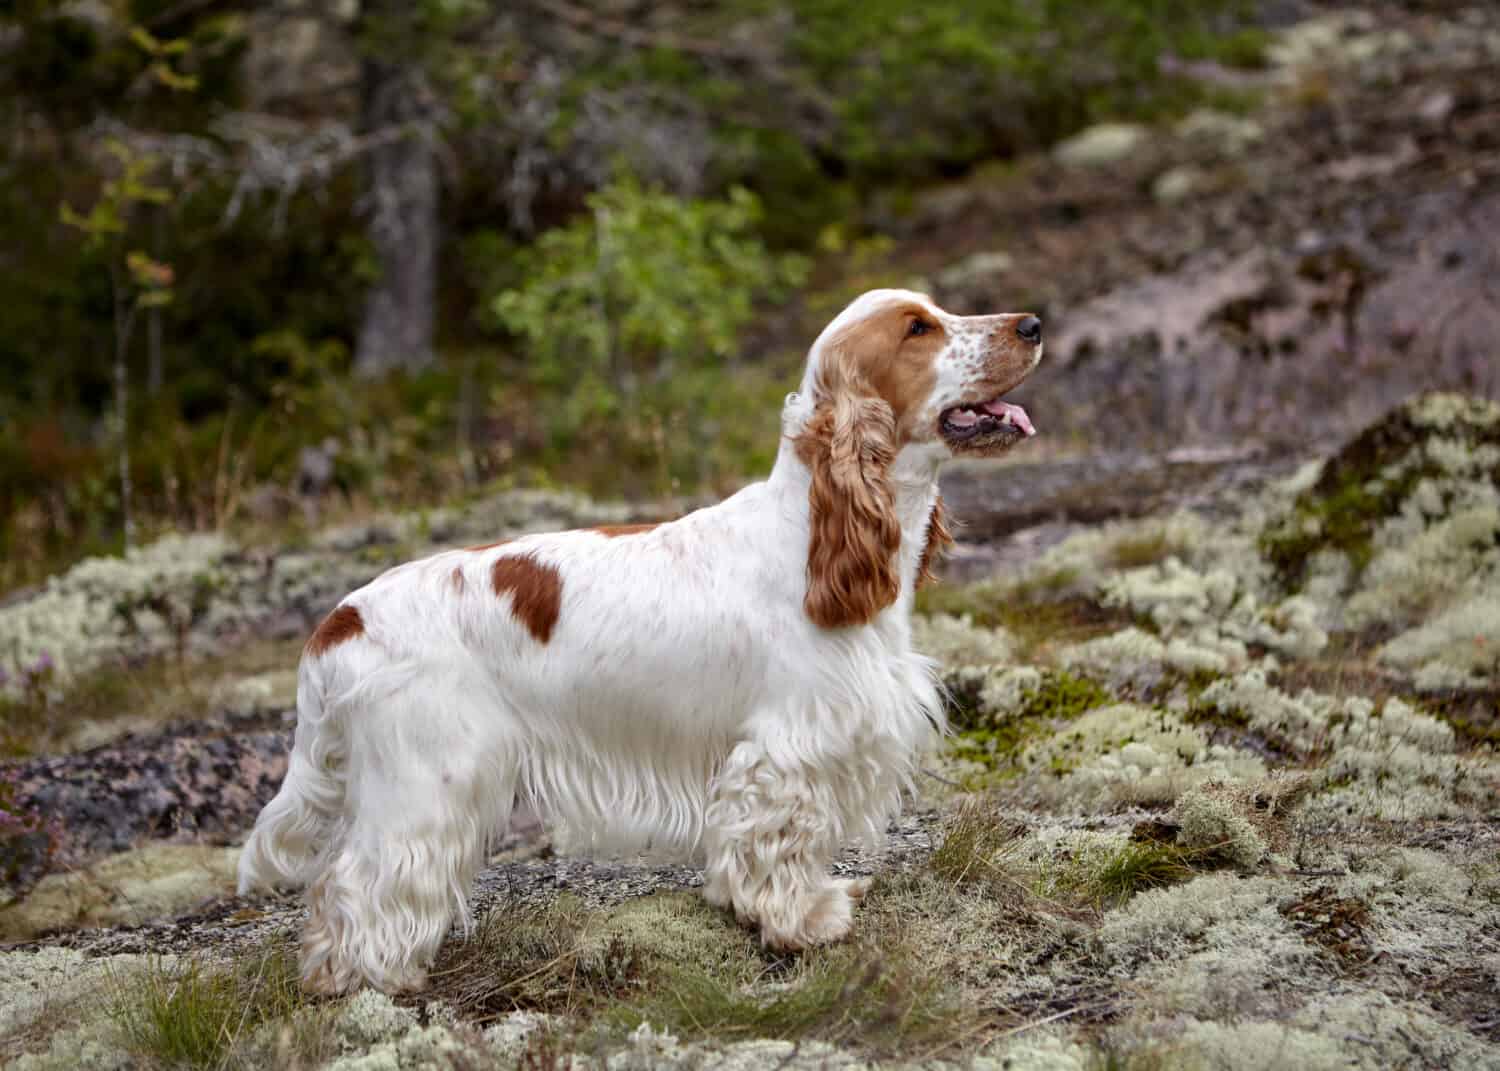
{"type": "Point", "coordinates": [1017, 415]}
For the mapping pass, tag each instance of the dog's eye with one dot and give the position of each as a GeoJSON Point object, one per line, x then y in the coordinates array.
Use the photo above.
{"type": "Point", "coordinates": [919, 327]}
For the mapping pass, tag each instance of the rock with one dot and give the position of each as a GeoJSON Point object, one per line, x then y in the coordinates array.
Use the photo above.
{"type": "Point", "coordinates": [973, 279]}
{"type": "Point", "coordinates": [1224, 134]}
{"type": "Point", "coordinates": [976, 266]}
{"type": "Point", "coordinates": [124, 889]}
{"type": "Point", "coordinates": [194, 780]}
{"type": "Point", "coordinates": [1437, 108]}
{"type": "Point", "coordinates": [1102, 145]}
{"type": "Point", "coordinates": [1178, 184]}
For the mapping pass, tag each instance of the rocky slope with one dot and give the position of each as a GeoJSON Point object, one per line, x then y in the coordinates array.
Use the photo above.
{"type": "Point", "coordinates": [1223, 790]}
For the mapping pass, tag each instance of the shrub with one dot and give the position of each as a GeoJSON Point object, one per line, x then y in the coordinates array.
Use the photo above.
{"type": "Point", "coordinates": [641, 287]}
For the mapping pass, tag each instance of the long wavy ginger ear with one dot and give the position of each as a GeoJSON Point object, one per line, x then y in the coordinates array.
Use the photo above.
{"type": "Point", "coordinates": [852, 570]}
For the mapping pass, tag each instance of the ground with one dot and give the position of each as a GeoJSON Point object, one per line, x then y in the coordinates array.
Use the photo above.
{"type": "Point", "coordinates": [1222, 790]}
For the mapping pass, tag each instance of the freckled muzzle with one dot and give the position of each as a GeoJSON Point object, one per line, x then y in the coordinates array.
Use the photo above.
{"type": "Point", "coordinates": [987, 424]}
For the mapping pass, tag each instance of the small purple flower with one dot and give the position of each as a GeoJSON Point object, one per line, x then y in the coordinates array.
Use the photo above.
{"type": "Point", "coordinates": [43, 662]}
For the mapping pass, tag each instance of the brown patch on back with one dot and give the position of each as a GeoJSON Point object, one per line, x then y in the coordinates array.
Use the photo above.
{"type": "Point", "coordinates": [939, 539]}
{"type": "Point", "coordinates": [535, 589]}
{"type": "Point", "coordinates": [344, 623]}
{"type": "Point", "coordinates": [614, 531]}
{"type": "Point", "coordinates": [456, 578]}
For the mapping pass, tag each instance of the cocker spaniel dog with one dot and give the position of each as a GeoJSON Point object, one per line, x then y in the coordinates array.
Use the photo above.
{"type": "Point", "coordinates": [737, 686]}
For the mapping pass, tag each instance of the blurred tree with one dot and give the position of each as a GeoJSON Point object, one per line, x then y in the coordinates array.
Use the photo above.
{"type": "Point", "coordinates": [397, 115]}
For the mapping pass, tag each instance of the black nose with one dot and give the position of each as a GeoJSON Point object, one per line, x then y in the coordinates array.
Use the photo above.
{"type": "Point", "coordinates": [1030, 329]}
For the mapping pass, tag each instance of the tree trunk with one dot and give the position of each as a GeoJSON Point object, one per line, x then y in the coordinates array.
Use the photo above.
{"type": "Point", "coordinates": [402, 201]}
{"type": "Point", "coordinates": [154, 373]}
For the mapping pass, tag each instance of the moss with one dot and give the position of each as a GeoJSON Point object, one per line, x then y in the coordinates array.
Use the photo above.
{"type": "Point", "coordinates": [1005, 724]}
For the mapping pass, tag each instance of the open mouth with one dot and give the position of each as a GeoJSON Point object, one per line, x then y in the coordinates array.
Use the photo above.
{"type": "Point", "coordinates": [991, 423]}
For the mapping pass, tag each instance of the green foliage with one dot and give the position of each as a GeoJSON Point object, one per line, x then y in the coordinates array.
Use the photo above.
{"type": "Point", "coordinates": [640, 287]}
{"type": "Point", "coordinates": [632, 313]}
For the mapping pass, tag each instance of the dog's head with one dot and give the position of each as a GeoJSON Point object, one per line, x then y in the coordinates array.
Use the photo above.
{"type": "Point", "coordinates": [943, 377]}
{"type": "Point", "coordinates": [894, 373]}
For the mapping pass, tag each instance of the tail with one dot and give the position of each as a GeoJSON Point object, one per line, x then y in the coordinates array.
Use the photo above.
{"type": "Point", "coordinates": [295, 831]}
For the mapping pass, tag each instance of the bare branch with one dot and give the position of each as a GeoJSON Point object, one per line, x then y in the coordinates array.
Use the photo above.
{"type": "Point", "coordinates": [263, 154]}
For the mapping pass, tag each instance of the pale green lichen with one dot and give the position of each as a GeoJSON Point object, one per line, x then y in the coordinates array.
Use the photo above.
{"type": "Point", "coordinates": [1163, 924]}
{"type": "Point", "coordinates": [183, 591]}
{"type": "Point", "coordinates": [1460, 646]}
{"type": "Point", "coordinates": [103, 606]}
{"type": "Point", "coordinates": [1212, 606]}
{"type": "Point", "coordinates": [1237, 969]}
{"type": "Point", "coordinates": [1038, 1050]}
{"type": "Point", "coordinates": [1132, 754]}
{"type": "Point", "coordinates": [680, 929]}
{"type": "Point", "coordinates": [51, 995]}
{"type": "Point", "coordinates": [956, 641]}
{"type": "Point", "coordinates": [1006, 691]}
{"type": "Point", "coordinates": [1209, 822]}
{"type": "Point", "coordinates": [1394, 763]}
{"type": "Point", "coordinates": [1081, 562]}
{"type": "Point", "coordinates": [1131, 659]}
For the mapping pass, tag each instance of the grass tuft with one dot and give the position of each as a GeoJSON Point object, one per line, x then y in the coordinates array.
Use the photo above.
{"type": "Point", "coordinates": [203, 1015]}
{"type": "Point", "coordinates": [533, 957]}
{"type": "Point", "coordinates": [973, 847]}
{"type": "Point", "coordinates": [865, 992]}
{"type": "Point", "coordinates": [1134, 868]}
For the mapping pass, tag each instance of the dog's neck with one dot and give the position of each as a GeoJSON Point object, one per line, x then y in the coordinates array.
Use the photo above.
{"type": "Point", "coordinates": [914, 486]}
{"type": "Point", "coordinates": [914, 483]}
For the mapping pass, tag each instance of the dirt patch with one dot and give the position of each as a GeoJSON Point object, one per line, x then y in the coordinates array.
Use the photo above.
{"type": "Point", "coordinates": [1332, 922]}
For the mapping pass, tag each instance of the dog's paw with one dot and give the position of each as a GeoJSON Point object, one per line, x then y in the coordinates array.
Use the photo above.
{"type": "Point", "coordinates": [410, 980]}
{"type": "Point", "coordinates": [321, 980]}
{"type": "Point", "coordinates": [828, 917]}
{"type": "Point", "coordinates": [855, 887]}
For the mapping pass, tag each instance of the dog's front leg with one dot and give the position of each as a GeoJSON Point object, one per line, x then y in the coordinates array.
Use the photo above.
{"type": "Point", "coordinates": [772, 827]}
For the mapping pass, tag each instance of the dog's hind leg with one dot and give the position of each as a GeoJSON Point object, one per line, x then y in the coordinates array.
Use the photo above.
{"type": "Point", "coordinates": [426, 793]}
{"type": "Point", "coordinates": [773, 825]}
